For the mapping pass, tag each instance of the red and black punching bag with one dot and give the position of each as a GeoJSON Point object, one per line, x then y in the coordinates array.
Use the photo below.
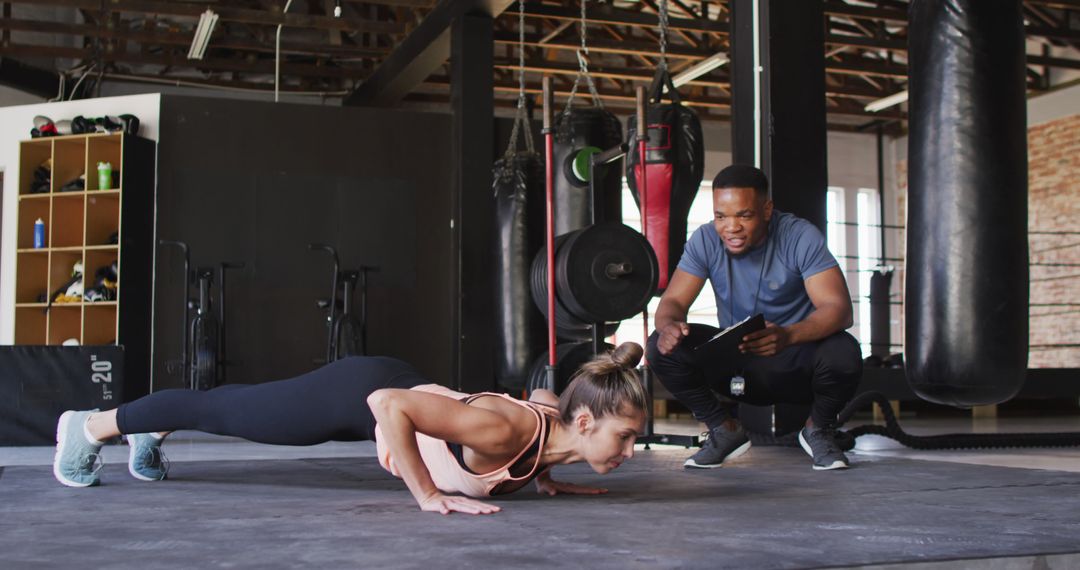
{"type": "Point", "coordinates": [966, 300]}
{"type": "Point", "coordinates": [674, 166]}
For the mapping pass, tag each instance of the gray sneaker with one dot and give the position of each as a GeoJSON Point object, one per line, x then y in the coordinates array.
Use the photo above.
{"type": "Point", "coordinates": [75, 459]}
{"type": "Point", "coordinates": [146, 462]}
{"type": "Point", "coordinates": [720, 445]}
{"type": "Point", "coordinates": [820, 444]}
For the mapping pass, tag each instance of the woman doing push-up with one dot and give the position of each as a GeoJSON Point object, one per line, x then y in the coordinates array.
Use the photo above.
{"type": "Point", "coordinates": [437, 440]}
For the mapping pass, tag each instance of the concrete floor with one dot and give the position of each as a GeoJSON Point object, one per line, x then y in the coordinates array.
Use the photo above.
{"type": "Point", "coordinates": [232, 504]}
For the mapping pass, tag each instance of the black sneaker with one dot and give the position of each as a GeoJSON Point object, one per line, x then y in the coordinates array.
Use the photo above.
{"type": "Point", "coordinates": [821, 445]}
{"type": "Point", "coordinates": [720, 445]}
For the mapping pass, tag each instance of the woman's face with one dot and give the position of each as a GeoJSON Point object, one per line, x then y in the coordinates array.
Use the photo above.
{"type": "Point", "coordinates": [609, 441]}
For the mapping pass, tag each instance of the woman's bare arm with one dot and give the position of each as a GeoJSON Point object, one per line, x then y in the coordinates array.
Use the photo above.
{"type": "Point", "coordinates": [402, 413]}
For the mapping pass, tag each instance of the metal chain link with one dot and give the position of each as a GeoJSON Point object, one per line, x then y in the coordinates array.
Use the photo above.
{"type": "Point", "coordinates": [663, 33]}
{"type": "Point", "coordinates": [583, 69]}
{"type": "Point", "coordinates": [520, 119]}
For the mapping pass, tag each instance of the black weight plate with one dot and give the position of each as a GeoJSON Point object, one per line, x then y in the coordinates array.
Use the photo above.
{"type": "Point", "coordinates": [584, 284]}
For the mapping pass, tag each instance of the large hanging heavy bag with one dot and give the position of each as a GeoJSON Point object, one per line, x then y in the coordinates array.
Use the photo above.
{"type": "Point", "coordinates": [966, 303]}
{"type": "Point", "coordinates": [580, 132]}
{"type": "Point", "coordinates": [674, 167]}
{"type": "Point", "coordinates": [519, 232]}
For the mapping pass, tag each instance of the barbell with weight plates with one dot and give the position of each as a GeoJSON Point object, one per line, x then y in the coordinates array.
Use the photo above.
{"type": "Point", "coordinates": [604, 272]}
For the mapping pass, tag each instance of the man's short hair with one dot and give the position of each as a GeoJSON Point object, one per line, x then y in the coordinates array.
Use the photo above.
{"type": "Point", "coordinates": [742, 176]}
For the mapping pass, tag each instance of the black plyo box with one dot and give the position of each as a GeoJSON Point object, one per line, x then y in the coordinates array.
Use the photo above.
{"type": "Point", "coordinates": [38, 383]}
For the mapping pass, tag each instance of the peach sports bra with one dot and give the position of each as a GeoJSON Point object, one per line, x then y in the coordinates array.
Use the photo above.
{"type": "Point", "coordinates": [447, 470]}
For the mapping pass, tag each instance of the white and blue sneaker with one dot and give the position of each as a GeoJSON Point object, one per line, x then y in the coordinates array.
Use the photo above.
{"type": "Point", "coordinates": [77, 462]}
{"type": "Point", "coordinates": [146, 462]}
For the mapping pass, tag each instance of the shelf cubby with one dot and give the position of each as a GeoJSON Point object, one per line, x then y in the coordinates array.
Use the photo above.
{"type": "Point", "coordinates": [61, 265]}
{"type": "Point", "coordinates": [32, 155]}
{"type": "Point", "coordinates": [67, 220]}
{"type": "Point", "coordinates": [98, 258]}
{"type": "Point", "coordinates": [65, 322]}
{"type": "Point", "coordinates": [102, 149]}
{"type": "Point", "coordinates": [31, 275]}
{"type": "Point", "coordinates": [99, 323]}
{"type": "Point", "coordinates": [69, 161]}
{"type": "Point", "coordinates": [102, 217]}
{"type": "Point", "coordinates": [32, 322]}
{"type": "Point", "coordinates": [29, 212]}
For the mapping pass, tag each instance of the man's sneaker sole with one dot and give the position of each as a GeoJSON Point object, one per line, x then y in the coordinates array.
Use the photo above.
{"type": "Point", "coordinates": [806, 447]}
{"type": "Point", "coordinates": [61, 430]}
{"type": "Point", "coordinates": [691, 464]}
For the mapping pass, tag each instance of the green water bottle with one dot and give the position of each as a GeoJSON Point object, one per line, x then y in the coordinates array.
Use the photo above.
{"type": "Point", "coordinates": [104, 173]}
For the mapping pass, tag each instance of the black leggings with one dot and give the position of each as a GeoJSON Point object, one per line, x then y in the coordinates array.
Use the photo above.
{"type": "Point", "coordinates": [327, 404]}
{"type": "Point", "coordinates": [824, 374]}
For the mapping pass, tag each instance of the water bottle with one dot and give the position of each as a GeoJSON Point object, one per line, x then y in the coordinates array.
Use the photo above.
{"type": "Point", "coordinates": [39, 234]}
{"type": "Point", "coordinates": [104, 171]}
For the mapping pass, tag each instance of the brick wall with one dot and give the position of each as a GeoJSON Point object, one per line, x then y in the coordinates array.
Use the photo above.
{"type": "Point", "coordinates": [1054, 240]}
{"type": "Point", "coordinates": [1054, 206]}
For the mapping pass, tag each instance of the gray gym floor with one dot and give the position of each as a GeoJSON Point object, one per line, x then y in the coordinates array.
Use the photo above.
{"type": "Point", "coordinates": [234, 504]}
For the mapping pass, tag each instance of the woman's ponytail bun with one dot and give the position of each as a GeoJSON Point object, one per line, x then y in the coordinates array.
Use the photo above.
{"type": "Point", "coordinates": [608, 384]}
{"type": "Point", "coordinates": [627, 355]}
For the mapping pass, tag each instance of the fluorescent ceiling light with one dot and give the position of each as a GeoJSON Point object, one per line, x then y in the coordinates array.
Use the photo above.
{"type": "Point", "coordinates": [886, 102]}
{"type": "Point", "coordinates": [203, 31]}
{"type": "Point", "coordinates": [701, 68]}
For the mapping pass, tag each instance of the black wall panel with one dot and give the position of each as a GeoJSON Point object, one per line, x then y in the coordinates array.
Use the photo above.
{"type": "Point", "coordinates": [257, 182]}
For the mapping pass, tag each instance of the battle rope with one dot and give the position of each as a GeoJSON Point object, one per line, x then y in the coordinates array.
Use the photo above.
{"type": "Point", "coordinates": [892, 430]}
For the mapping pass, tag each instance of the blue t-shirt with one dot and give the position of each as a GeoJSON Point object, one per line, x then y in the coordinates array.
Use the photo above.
{"type": "Point", "coordinates": [769, 278]}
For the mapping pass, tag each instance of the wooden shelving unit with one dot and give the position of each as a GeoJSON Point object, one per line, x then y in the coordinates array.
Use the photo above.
{"type": "Point", "coordinates": [92, 226]}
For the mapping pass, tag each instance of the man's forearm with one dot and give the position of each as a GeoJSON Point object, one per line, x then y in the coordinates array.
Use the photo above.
{"type": "Point", "coordinates": [823, 322]}
{"type": "Point", "coordinates": [667, 313]}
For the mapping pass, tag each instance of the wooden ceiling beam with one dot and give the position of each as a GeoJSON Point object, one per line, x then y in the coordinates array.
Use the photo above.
{"type": "Point", "coordinates": [259, 66]}
{"type": "Point", "coordinates": [228, 14]}
{"type": "Point", "coordinates": [555, 68]}
{"type": "Point", "coordinates": [602, 45]}
{"type": "Point", "coordinates": [605, 14]}
{"type": "Point", "coordinates": [161, 37]}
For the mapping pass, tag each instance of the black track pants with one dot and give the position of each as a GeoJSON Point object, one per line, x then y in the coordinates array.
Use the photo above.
{"type": "Point", "coordinates": [327, 404]}
{"type": "Point", "coordinates": [824, 374]}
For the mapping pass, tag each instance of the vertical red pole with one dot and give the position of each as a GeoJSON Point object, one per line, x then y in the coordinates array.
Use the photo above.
{"type": "Point", "coordinates": [643, 184]}
{"type": "Point", "coordinates": [548, 152]}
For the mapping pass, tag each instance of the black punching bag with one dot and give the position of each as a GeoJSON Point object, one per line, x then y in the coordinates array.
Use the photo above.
{"type": "Point", "coordinates": [577, 132]}
{"type": "Point", "coordinates": [966, 301]}
{"type": "Point", "coordinates": [519, 233]}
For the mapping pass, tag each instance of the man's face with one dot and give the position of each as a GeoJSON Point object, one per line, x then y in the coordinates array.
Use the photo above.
{"type": "Point", "coordinates": [741, 218]}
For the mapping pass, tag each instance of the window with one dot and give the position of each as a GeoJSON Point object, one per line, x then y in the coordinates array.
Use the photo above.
{"type": "Point", "coordinates": [703, 310]}
{"type": "Point", "coordinates": [854, 219]}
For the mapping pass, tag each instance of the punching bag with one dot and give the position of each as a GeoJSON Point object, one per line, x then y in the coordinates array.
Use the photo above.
{"type": "Point", "coordinates": [674, 165]}
{"type": "Point", "coordinates": [518, 181]}
{"type": "Point", "coordinates": [580, 132]}
{"type": "Point", "coordinates": [966, 299]}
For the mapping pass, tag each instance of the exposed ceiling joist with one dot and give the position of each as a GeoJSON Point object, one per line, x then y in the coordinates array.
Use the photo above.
{"type": "Point", "coordinates": [227, 13]}
{"type": "Point", "coordinates": [424, 51]}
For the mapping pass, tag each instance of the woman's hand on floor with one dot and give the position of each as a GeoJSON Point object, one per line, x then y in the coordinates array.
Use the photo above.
{"type": "Point", "coordinates": [447, 504]}
{"type": "Point", "coordinates": [545, 485]}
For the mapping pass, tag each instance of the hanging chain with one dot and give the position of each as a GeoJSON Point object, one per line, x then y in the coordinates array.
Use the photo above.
{"type": "Point", "coordinates": [520, 119]}
{"type": "Point", "coordinates": [583, 69]}
{"type": "Point", "coordinates": [663, 33]}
